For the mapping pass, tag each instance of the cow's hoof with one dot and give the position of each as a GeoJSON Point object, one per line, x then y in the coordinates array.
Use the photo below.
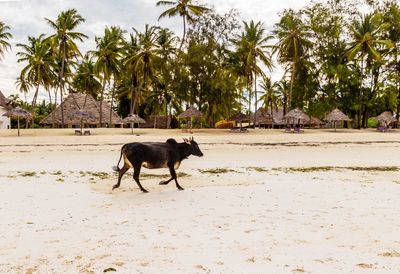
{"type": "Point", "coordinates": [162, 183]}
{"type": "Point", "coordinates": [181, 188]}
{"type": "Point", "coordinates": [114, 187]}
{"type": "Point", "coordinates": [144, 191]}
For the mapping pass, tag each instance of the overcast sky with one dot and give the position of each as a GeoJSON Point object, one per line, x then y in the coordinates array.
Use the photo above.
{"type": "Point", "coordinates": [26, 18]}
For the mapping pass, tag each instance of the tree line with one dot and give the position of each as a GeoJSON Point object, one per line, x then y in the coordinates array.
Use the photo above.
{"type": "Point", "coordinates": [333, 56]}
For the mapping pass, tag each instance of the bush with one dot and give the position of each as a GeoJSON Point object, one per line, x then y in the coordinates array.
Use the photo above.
{"type": "Point", "coordinates": [373, 123]}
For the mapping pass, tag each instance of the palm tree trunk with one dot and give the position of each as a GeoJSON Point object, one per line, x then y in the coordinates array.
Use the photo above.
{"type": "Point", "coordinates": [184, 32]}
{"type": "Point", "coordinates": [62, 80]}
{"type": "Point", "coordinates": [291, 85]}
{"type": "Point", "coordinates": [35, 97]}
{"type": "Point", "coordinates": [101, 103]}
{"type": "Point", "coordinates": [112, 102]}
{"type": "Point", "coordinates": [50, 97]}
{"type": "Point", "coordinates": [272, 114]}
{"type": "Point", "coordinates": [360, 94]}
{"type": "Point", "coordinates": [255, 99]}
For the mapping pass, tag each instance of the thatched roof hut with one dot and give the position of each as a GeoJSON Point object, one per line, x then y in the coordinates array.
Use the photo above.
{"type": "Point", "coordinates": [314, 121]}
{"type": "Point", "coordinates": [263, 117]}
{"type": "Point", "coordinates": [239, 117]}
{"type": "Point", "coordinates": [386, 117]}
{"type": "Point", "coordinates": [337, 115]}
{"type": "Point", "coordinates": [297, 115]}
{"type": "Point", "coordinates": [133, 118]}
{"type": "Point", "coordinates": [190, 112]}
{"type": "Point", "coordinates": [4, 101]}
{"type": "Point", "coordinates": [79, 101]}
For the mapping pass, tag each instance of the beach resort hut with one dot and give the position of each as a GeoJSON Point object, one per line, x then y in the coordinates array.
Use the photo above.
{"type": "Point", "coordinates": [4, 108]}
{"type": "Point", "coordinates": [296, 117]}
{"type": "Point", "coordinates": [315, 122]}
{"type": "Point", "coordinates": [386, 119]}
{"type": "Point", "coordinates": [190, 113]}
{"type": "Point", "coordinates": [263, 117]}
{"type": "Point", "coordinates": [133, 119]}
{"type": "Point", "coordinates": [239, 118]}
{"type": "Point", "coordinates": [79, 101]}
{"type": "Point", "coordinates": [19, 113]}
{"type": "Point", "coordinates": [335, 116]}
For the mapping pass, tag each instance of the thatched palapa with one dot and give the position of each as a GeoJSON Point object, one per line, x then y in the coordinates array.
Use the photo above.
{"type": "Point", "coordinates": [386, 117]}
{"type": "Point", "coordinates": [81, 102]}
{"type": "Point", "coordinates": [337, 115]}
{"type": "Point", "coordinates": [190, 112]}
{"type": "Point", "coordinates": [297, 114]}
{"type": "Point", "coordinates": [19, 113]}
{"type": "Point", "coordinates": [239, 117]}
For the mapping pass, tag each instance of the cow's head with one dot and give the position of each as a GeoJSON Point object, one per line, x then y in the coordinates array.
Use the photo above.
{"type": "Point", "coordinates": [193, 147]}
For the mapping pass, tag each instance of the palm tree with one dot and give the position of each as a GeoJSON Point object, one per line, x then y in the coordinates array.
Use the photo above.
{"type": "Point", "coordinates": [142, 63]}
{"type": "Point", "coordinates": [64, 41]}
{"type": "Point", "coordinates": [38, 71]}
{"type": "Point", "coordinates": [108, 55]}
{"type": "Point", "coordinates": [293, 44]}
{"type": "Point", "coordinates": [252, 46]}
{"type": "Point", "coordinates": [366, 34]}
{"type": "Point", "coordinates": [184, 8]}
{"type": "Point", "coordinates": [271, 96]}
{"type": "Point", "coordinates": [86, 79]}
{"type": "Point", "coordinates": [4, 37]}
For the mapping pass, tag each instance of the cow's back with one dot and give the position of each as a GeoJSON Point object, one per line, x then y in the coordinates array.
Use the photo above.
{"type": "Point", "coordinates": [150, 155]}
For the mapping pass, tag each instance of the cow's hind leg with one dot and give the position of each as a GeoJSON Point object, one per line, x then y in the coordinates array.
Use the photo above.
{"type": "Point", "coordinates": [173, 175]}
{"type": "Point", "coordinates": [136, 173]}
{"type": "Point", "coordinates": [166, 182]}
{"type": "Point", "coordinates": [121, 173]}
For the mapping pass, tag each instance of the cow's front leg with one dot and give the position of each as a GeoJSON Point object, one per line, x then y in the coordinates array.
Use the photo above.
{"type": "Point", "coordinates": [136, 173]}
{"type": "Point", "coordinates": [173, 175]}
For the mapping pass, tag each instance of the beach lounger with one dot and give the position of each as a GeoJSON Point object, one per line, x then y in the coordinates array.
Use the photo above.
{"type": "Point", "coordinates": [86, 132]}
{"type": "Point", "coordinates": [382, 129]}
{"type": "Point", "coordinates": [298, 130]}
{"type": "Point", "coordinates": [78, 132]}
{"type": "Point", "coordinates": [288, 130]}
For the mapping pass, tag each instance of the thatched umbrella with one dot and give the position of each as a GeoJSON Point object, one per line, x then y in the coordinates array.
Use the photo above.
{"type": "Point", "coordinates": [240, 117]}
{"type": "Point", "coordinates": [336, 115]}
{"type": "Point", "coordinates": [386, 117]}
{"type": "Point", "coordinates": [190, 113]}
{"type": "Point", "coordinates": [132, 119]}
{"type": "Point", "coordinates": [18, 113]}
{"type": "Point", "coordinates": [82, 115]}
{"type": "Point", "coordinates": [296, 114]}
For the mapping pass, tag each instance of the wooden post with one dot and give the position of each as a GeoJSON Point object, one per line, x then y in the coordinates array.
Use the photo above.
{"type": "Point", "coordinates": [18, 124]}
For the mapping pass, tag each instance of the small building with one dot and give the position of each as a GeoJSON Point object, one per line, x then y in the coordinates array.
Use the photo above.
{"type": "Point", "coordinates": [79, 101]}
{"type": "Point", "coordinates": [5, 122]}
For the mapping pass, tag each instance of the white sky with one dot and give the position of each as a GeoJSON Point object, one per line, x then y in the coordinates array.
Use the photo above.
{"type": "Point", "coordinates": [26, 18]}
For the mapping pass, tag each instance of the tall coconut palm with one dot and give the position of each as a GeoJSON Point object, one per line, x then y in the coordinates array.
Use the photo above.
{"type": "Point", "coordinates": [252, 47]}
{"type": "Point", "coordinates": [64, 41]}
{"type": "Point", "coordinates": [142, 63]}
{"type": "Point", "coordinates": [271, 96]}
{"type": "Point", "coordinates": [86, 79]}
{"type": "Point", "coordinates": [366, 42]}
{"type": "Point", "coordinates": [5, 35]}
{"type": "Point", "coordinates": [108, 55]}
{"type": "Point", "coordinates": [184, 8]}
{"type": "Point", "coordinates": [38, 71]}
{"type": "Point", "coordinates": [293, 43]}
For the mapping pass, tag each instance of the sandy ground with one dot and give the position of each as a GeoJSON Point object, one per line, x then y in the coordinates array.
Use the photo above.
{"type": "Point", "coordinates": [258, 202]}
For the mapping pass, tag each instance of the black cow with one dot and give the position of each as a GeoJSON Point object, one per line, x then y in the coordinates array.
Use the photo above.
{"type": "Point", "coordinates": [155, 155]}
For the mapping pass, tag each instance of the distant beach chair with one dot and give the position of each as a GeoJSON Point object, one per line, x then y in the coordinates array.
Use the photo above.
{"type": "Point", "coordinates": [86, 132]}
{"type": "Point", "coordinates": [382, 129]}
{"type": "Point", "coordinates": [239, 130]}
{"type": "Point", "coordinates": [298, 130]}
{"type": "Point", "coordinates": [78, 132]}
{"type": "Point", "coordinates": [288, 130]}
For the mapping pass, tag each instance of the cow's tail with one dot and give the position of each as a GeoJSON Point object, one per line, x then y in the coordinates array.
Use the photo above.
{"type": "Point", "coordinates": [116, 168]}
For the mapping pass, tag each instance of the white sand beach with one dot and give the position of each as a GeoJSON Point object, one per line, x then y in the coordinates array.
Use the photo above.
{"type": "Point", "coordinates": [257, 202]}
